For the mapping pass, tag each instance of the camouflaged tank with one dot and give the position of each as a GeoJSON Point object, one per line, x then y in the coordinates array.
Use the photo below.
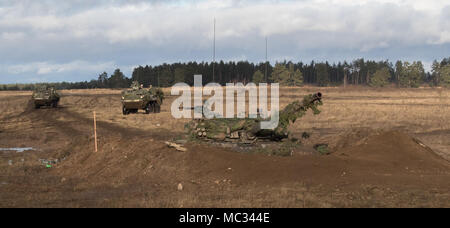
{"type": "Point", "coordinates": [45, 96]}
{"type": "Point", "coordinates": [149, 100]}
{"type": "Point", "coordinates": [249, 130]}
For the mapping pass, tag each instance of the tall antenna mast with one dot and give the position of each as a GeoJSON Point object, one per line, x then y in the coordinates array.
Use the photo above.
{"type": "Point", "coordinates": [214, 50]}
{"type": "Point", "coordinates": [265, 73]}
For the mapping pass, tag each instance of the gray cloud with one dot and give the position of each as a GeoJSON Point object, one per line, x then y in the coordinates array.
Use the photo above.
{"type": "Point", "coordinates": [84, 38]}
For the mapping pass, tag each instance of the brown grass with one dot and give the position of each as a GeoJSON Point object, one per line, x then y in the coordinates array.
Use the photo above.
{"type": "Point", "coordinates": [423, 113]}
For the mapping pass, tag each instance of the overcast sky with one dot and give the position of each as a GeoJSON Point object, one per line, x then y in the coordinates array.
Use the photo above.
{"type": "Point", "coordinates": [74, 40]}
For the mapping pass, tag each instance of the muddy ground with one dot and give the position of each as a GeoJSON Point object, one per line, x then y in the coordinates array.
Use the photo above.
{"type": "Point", "coordinates": [380, 166]}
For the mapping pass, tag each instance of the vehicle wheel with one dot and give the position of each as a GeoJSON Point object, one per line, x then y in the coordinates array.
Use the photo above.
{"type": "Point", "coordinates": [54, 104]}
{"type": "Point", "coordinates": [150, 108]}
{"type": "Point", "coordinates": [37, 106]}
{"type": "Point", "coordinates": [124, 111]}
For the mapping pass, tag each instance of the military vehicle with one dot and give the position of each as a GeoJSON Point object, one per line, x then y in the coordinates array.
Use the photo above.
{"type": "Point", "coordinates": [249, 130]}
{"type": "Point", "coordinates": [45, 96]}
{"type": "Point", "coordinates": [137, 98]}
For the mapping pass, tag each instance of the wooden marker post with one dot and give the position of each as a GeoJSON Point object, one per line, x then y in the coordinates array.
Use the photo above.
{"type": "Point", "coordinates": [95, 132]}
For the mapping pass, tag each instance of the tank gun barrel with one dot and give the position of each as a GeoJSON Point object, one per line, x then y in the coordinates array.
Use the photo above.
{"type": "Point", "coordinates": [317, 97]}
{"type": "Point", "coordinates": [289, 114]}
{"type": "Point", "coordinates": [249, 129]}
{"type": "Point", "coordinates": [298, 109]}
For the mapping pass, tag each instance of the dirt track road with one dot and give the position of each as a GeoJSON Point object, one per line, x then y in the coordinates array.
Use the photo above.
{"type": "Point", "coordinates": [134, 168]}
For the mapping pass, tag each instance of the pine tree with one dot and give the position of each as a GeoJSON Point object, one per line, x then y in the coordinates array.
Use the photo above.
{"type": "Point", "coordinates": [322, 74]}
{"type": "Point", "coordinates": [279, 73]}
{"type": "Point", "coordinates": [411, 75]}
{"type": "Point", "coordinates": [380, 78]}
{"type": "Point", "coordinates": [117, 80]}
{"type": "Point", "coordinates": [179, 75]}
{"type": "Point", "coordinates": [295, 77]}
{"type": "Point", "coordinates": [102, 80]}
{"type": "Point", "coordinates": [258, 77]}
{"type": "Point", "coordinates": [398, 71]}
{"type": "Point", "coordinates": [444, 72]}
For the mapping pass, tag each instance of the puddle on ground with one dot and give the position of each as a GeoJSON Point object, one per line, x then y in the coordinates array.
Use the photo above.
{"type": "Point", "coordinates": [17, 149]}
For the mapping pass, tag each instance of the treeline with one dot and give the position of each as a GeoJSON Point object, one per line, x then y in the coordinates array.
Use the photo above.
{"type": "Point", "coordinates": [358, 72]}
{"type": "Point", "coordinates": [116, 80]}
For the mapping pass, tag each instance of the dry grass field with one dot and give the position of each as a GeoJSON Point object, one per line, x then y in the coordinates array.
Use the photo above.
{"type": "Point", "coordinates": [390, 148]}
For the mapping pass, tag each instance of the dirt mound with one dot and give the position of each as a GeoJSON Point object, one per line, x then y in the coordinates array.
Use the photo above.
{"type": "Point", "coordinates": [353, 137]}
{"type": "Point", "coordinates": [145, 157]}
{"type": "Point", "coordinates": [394, 147]}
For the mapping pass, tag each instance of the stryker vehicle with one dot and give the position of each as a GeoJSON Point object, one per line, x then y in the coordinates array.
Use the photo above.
{"type": "Point", "coordinates": [249, 130]}
{"type": "Point", "coordinates": [44, 96]}
{"type": "Point", "coordinates": [137, 98]}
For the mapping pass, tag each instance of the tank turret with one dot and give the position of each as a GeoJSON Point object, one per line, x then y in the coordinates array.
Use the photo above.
{"type": "Point", "coordinates": [249, 130]}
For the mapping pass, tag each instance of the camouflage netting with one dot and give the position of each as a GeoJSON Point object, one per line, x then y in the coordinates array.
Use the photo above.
{"type": "Point", "coordinates": [298, 109]}
{"type": "Point", "coordinates": [249, 130]}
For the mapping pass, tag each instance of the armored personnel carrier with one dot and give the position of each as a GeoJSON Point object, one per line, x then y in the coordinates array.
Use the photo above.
{"type": "Point", "coordinates": [249, 130]}
{"type": "Point", "coordinates": [135, 98]}
{"type": "Point", "coordinates": [45, 96]}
